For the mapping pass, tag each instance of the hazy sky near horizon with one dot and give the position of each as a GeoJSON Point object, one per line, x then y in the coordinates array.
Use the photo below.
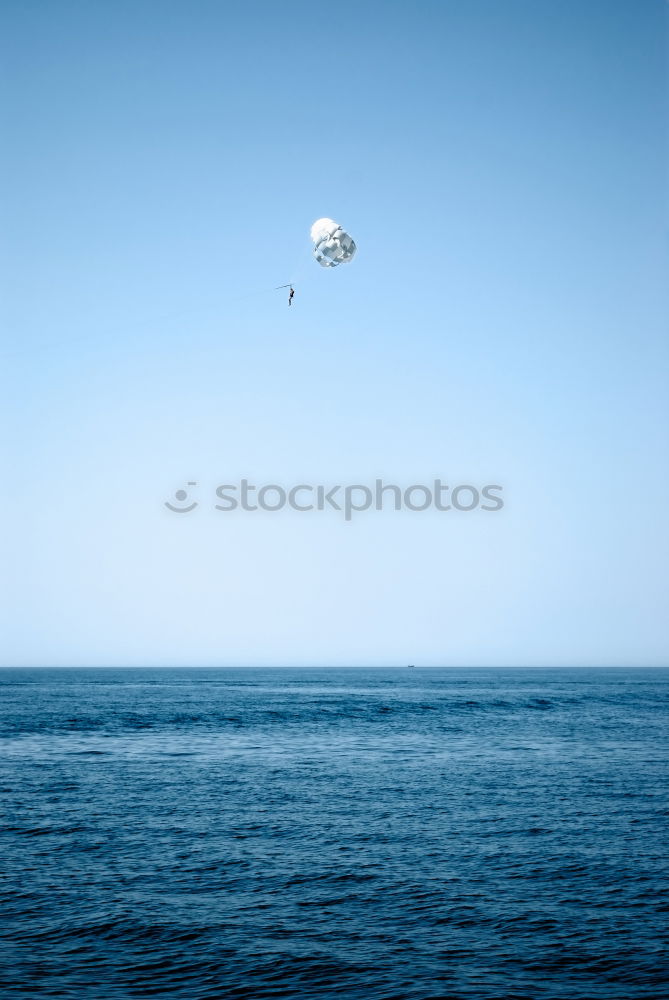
{"type": "Point", "coordinates": [501, 166]}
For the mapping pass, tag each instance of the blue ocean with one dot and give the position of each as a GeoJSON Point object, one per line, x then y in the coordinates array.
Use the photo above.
{"type": "Point", "coordinates": [383, 834]}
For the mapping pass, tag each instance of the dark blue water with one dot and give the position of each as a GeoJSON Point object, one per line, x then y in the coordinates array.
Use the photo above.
{"type": "Point", "coordinates": [352, 833]}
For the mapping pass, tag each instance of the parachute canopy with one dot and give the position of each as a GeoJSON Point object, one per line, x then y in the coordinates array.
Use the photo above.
{"type": "Point", "coordinates": [332, 245]}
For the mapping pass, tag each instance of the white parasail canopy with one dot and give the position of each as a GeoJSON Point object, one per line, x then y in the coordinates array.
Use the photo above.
{"type": "Point", "coordinates": [332, 244]}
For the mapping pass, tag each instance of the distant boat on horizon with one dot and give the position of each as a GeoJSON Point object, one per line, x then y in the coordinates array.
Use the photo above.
{"type": "Point", "coordinates": [410, 666]}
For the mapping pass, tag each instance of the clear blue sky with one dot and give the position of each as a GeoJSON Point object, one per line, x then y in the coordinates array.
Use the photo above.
{"type": "Point", "coordinates": [501, 167]}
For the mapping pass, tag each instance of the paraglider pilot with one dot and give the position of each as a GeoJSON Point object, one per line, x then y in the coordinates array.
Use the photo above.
{"type": "Point", "coordinates": [290, 295]}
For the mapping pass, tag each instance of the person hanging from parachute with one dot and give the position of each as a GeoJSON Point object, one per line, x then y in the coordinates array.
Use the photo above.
{"type": "Point", "coordinates": [291, 292]}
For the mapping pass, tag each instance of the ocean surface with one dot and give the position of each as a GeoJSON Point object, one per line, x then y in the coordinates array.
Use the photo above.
{"type": "Point", "coordinates": [377, 834]}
